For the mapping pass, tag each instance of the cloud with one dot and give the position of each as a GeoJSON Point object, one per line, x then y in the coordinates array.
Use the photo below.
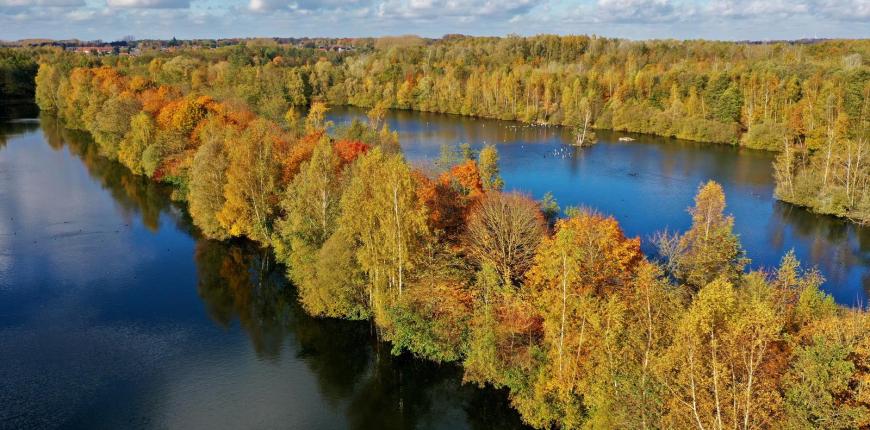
{"type": "Point", "coordinates": [400, 9]}
{"type": "Point", "coordinates": [41, 3]}
{"type": "Point", "coordinates": [18, 6]}
{"type": "Point", "coordinates": [848, 10]}
{"type": "Point", "coordinates": [746, 9]}
{"type": "Point", "coordinates": [306, 6]}
{"type": "Point", "coordinates": [766, 9]}
{"type": "Point", "coordinates": [435, 9]}
{"type": "Point", "coordinates": [149, 4]}
{"type": "Point", "coordinates": [639, 19]}
{"type": "Point", "coordinates": [81, 15]}
{"type": "Point", "coordinates": [642, 11]}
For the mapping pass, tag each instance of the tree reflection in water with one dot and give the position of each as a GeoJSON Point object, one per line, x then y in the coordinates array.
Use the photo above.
{"type": "Point", "coordinates": [239, 281]}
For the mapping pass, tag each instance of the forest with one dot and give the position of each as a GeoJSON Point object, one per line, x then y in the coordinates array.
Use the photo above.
{"type": "Point", "coordinates": [565, 312]}
{"type": "Point", "coordinates": [808, 102]}
{"type": "Point", "coordinates": [17, 72]}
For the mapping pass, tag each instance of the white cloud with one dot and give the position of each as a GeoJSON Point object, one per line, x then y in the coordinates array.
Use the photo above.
{"type": "Point", "coordinates": [849, 10]}
{"type": "Point", "coordinates": [149, 4]}
{"type": "Point", "coordinates": [773, 9]}
{"type": "Point", "coordinates": [306, 6]}
{"type": "Point", "coordinates": [435, 9]}
{"type": "Point", "coordinates": [755, 8]}
{"type": "Point", "coordinates": [81, 15]}
{"type": "Point", "coordinates": [722, 19]}
{"type": "Point", "coordinates": [41, 3]}
{"type": "Point", "coordinates": [642, 11]}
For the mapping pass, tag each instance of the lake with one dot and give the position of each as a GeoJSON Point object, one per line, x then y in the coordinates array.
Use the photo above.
{"type": "Point", "coordinates": [114, 313]}
{"type": "Point", "coordinates": [648, 185]}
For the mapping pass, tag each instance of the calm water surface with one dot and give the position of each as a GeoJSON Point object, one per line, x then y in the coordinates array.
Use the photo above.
{"type": "Point", "coordinates": [115, 314]}
{"type": "Point", "coordinates": [648, 184]}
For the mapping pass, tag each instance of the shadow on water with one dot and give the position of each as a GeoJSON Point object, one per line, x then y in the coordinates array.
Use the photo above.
{"type": "Point", "coordinates": [239, 281]}
{"type": "Point", "coordinates": [241, 289]}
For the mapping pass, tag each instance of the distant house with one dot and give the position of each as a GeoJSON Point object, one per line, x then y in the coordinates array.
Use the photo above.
{"type": "Point", "coordinates": [93, 50]}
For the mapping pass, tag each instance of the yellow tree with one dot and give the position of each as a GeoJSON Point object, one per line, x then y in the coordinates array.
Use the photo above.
{"type": "Point", "coordinates": [714, 368]}
{"type": "Point", "coordinates": [141, 134]}
{"type": "Point", "coordinates": [251, 189]}
{"type": "Point", "coordinates": [573, 279]}
{"type": "Point", "coordinates": [652, 307]}
{"type": "Point", "coordinates": [489, 170]}
{"type": "Point", "coordinates": [311, 208]}
{"type": "Point", "coordinates": [316, 119]}
{"type": "Point", "coordinates": [710, 248]}
{"type": "Point", "coordinates": [380, 211]}
{"type": "Point", "coordinates": [208, 178]}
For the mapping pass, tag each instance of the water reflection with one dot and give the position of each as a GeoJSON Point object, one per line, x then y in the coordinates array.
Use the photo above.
{"type": "Point", "coordinates": [239, 281]}
{"type": "Point", "coordinates": [114, 313]}
{"type": "Point", "coordinates": [118, 315]}
{"type": "Point", "coordinates": [135, 195]}
{"type": "Point", "coordinates": [17, 119]}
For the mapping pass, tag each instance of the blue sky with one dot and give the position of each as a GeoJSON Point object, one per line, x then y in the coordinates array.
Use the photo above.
{"type": "Point", "coordinates": [634, 19]}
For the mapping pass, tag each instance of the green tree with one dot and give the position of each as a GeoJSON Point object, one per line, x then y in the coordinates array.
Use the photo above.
{"type": "Point", "coordinates": [207, 181]}
{"type": "Point", "coordinates": [823, 384]}
{"type": "Point", "coordinates": [141, 134]}
{"type": "Point", "coordinates": [550, 208]}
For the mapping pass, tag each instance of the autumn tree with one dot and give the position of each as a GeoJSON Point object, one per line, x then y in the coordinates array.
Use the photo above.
{"type": "Point", "coordinates": [826, 385]}
{"type": "Point", "coordinates": [142, 133]}
{"type": "Point", "coordinates": [489, 170]}
{"type": "Point", "coordinates": [316, 118]}
{"type": "Point", "coordinates": [504, 230]}
{"type": "Point", "coordinates": [588, 256]}
{"type": "Point", "coordinates": [112, 122]}
{"type": "Point", "coordinates": [710, 249]}
{"type": "Point", "coordinates": [718, 364]}
{"type": "Point", "coordinates": [208, 178]}
{"type": "Point", "coordinates": [376, 114]}
{"type": "Point", "coordinates": [431, 319]}
{"type": "Point", "coordinates": [311, 207]}
{"type": "Point", "coordinates": [252, 176]}
{"type": "Point", "coordinates": [380, 212]}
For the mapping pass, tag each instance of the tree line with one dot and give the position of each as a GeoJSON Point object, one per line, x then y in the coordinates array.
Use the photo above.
{"type": "Point", "coordinates": [809, 102]}
{"type": "Point", "coordinates": [567, 313]}
{"type": "Point", "coordinates": [17, 71]}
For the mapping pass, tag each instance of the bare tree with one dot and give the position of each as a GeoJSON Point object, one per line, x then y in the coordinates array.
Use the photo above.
{"type": "Point", "coordinates": [504, 230]}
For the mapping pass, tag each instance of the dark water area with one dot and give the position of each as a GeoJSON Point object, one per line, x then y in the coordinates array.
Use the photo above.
{"type": "Point", "coordinates": [648, 184]}
{"type": "Point", "coordinates": [115, 314]}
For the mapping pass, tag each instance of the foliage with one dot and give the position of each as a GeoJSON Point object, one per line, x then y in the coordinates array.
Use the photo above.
{"type": "Point", "coordinates": [575, 322]}
{"type": "Point", "coordinates": [504, 231]}
{"type": "Point", "coordinates": [710, 249]}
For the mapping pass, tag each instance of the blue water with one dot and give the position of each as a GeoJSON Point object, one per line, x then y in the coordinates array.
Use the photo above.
{"type": "Point", "coordinates": [648, 184]}
{"type": "Point", "coordinates": [114, 314]}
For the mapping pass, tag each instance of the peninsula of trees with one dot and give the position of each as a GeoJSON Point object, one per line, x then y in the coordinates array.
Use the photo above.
{"type": "Point", "coordinates": [567, 314]}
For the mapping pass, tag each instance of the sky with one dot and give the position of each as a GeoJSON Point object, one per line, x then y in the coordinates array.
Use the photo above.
{"type": "Point", "coordinates": [632, 19]}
